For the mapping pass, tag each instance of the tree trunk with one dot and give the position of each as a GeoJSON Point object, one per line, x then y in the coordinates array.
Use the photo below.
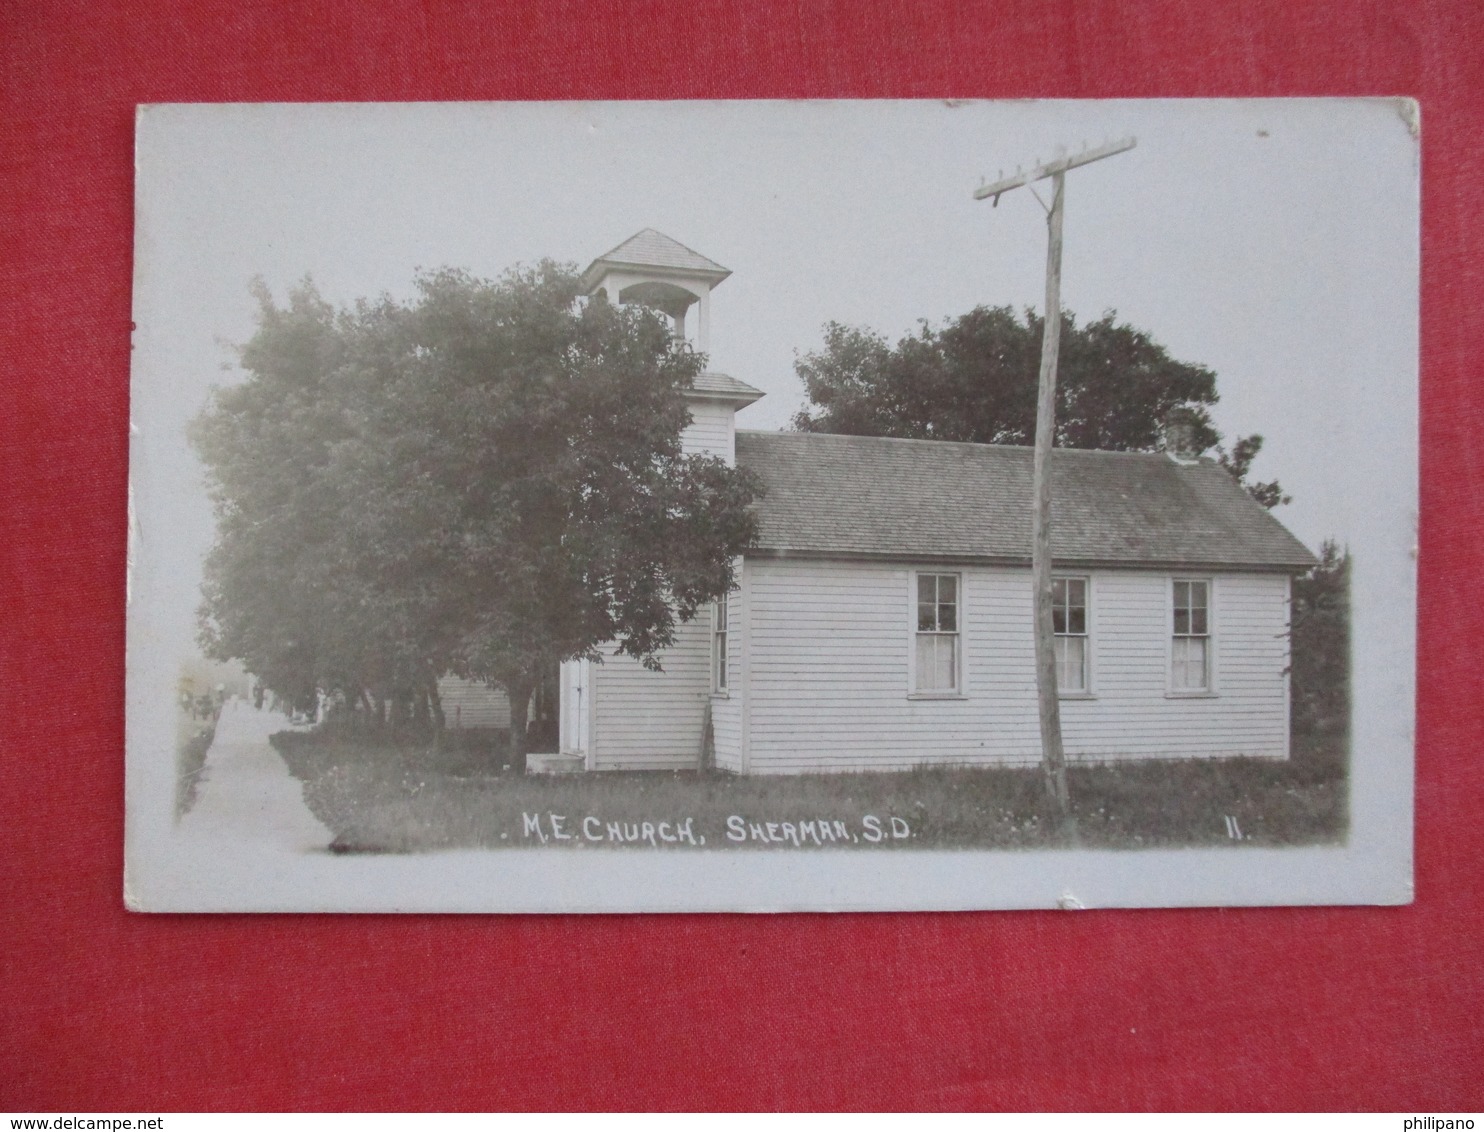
{"type": "Point", "coordinates": [519, 692]}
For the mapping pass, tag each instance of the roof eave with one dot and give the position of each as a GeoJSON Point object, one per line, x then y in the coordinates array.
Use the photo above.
{"type": "Point", "coordinates": [741, 400]}
{"type": "Point", "coordinates": [953, 559]}
{"type": "Point", "coordinates": [599, 267]}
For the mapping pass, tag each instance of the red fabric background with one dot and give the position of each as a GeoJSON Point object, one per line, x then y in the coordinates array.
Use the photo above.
{"type": "Point", "coordinates": [1264, 1008]}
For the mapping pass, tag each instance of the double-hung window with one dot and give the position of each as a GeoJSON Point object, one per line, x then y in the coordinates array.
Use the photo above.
{"type": "Point", "coordinates": [719, 645]}
{"type": "Point", "coordinates": [1190, 647]}
{"type": "Point", "coordinates": [1069, 623]}
{"type": "Point", "coordinates": [937, 657]}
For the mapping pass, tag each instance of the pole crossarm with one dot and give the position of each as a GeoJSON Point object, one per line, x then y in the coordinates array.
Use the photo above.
{"type": "Point", "coordinates": [1054, 166]}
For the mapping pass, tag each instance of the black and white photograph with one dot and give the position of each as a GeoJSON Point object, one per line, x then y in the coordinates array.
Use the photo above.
{"type": "Point", "coordinates": [772, 506]}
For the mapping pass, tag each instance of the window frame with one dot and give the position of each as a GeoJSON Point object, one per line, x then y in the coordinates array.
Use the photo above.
{"type": "Point", "coordinates": [914, 590]}
{"type": "Point", "coordinates": [721, 661]}
{"type": "Point", "coordinates": [1087, 691]}
{"type": "Point", "coordinates": [1210, 691]}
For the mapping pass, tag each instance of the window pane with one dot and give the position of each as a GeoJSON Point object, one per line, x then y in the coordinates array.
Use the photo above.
{"type": "Point", "coordinates": [925, 662]}
{"type": "Point", "coordinates": [947, 588]}
{"type": "Point", "coordinates": [947, 658]}
{"type": "Point", "coordinates": [1071, 666]}
{"type": "Point", "coordinates": [937, 662]}
{"type": "Point", "coordinates": [927, 588]}
{"type": "Point", "coordinates": [1189, 674]}
{"type": "Point", "coordinates": [948, 618]}
{"type": "Point", "coordinates": [1192, 602]}
{"type": "Point", "coordinates": [1069, 607]}
{"type": "Point", "coordinates": [926, 658]}
{"type": "Point", "coordinates": [927, 619]}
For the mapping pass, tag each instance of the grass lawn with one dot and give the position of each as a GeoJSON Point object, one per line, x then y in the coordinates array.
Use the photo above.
{"type": "Point", "coordinates": [389, 798]}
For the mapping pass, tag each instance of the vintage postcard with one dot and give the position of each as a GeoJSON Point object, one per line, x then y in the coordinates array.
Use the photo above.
{"type": "Point", "coordinates": [773, 506]}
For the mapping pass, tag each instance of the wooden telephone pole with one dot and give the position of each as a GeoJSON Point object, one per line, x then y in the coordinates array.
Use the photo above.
{"type": "Point", "coordinates": [1053, 758]}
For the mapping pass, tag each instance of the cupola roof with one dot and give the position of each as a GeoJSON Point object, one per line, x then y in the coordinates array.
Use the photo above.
{"type": "Point", "coordinates": [649, 250]}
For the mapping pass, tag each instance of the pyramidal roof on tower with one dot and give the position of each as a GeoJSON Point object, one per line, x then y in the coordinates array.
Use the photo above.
{"type": "Point", "coordinates": [651, 249]}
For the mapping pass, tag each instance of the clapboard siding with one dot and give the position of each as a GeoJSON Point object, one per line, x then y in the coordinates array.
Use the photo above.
{"type": "Point", "coordinates": [712, 430]}
{"type": "Point", "coordinates": [645, 720]}
{"type": "Point", "coordinates": [468, 704]}
{"type": "Point", "coordinates": [1132, 713]}
{"type": "Point", "coordinates": [828, 672]}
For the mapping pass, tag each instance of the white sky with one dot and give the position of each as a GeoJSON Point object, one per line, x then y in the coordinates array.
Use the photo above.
{"type": "Point", "coordinates": [1274, 241]}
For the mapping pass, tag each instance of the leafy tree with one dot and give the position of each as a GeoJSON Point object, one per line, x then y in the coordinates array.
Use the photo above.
{"type": "Point", "coordinates": [486, 480]}
{"type": "Point", "coordinates": [280, 582]}
{"type": "Point", "coordinates": [1239, 463]}
{"type": "Point", "coordinates": [974, 378]}
{"type": "Point", "coordinates": [1320, 646]}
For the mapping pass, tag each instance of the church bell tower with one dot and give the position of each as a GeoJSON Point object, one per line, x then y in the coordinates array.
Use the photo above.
{"type": "Point", "coordinates": [651, 269]}
{"type": "Point", "coordinates": [657, 272]}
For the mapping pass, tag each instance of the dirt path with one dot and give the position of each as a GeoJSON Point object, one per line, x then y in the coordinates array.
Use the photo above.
{"type": "Point", "coordinates": [246, 795]}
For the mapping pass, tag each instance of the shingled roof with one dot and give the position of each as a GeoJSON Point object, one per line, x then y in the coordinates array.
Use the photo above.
{"type": "Point", "coordinates": [724, 387]}
{"type": "Point", "coordinates": [649, 248]}
{"type": "Point", "coordinates": [870, 497]}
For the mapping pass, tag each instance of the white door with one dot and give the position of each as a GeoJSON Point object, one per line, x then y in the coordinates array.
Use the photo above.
{"type": "Point", "coordinates": [576, 706]}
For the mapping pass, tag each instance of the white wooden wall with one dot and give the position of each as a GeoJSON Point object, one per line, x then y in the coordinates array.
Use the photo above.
{"type": "Point", "coordinates": [467, 703]}
{"type": "Point", "coordinates": [712, 429]}
{"type": "Point", "coordinates": [644, 720]}
{"type": "Point", "coordinates": [828, 682]}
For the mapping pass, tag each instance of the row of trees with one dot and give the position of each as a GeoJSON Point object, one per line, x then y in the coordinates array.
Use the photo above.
{"type": "Point", "coordinates": [974, 378]}
{"type": "Point", "coordinates": [485, 480]}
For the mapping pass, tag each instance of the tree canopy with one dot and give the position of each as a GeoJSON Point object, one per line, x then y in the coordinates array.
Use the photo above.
{"type": "Point", "coordinates": [485, 480]}
{"type": "Point", "coordinates": [974, 378]}
{"type": "Point", "coordinates": [1320, 676]}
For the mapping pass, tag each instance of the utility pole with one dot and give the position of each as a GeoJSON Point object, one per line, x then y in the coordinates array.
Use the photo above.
{"type": "Point", "coordinates": [1053, 758]}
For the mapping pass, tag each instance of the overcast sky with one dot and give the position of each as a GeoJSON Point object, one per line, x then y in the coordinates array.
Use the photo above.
{"type": "Point", "coordinates": [1274, 241]}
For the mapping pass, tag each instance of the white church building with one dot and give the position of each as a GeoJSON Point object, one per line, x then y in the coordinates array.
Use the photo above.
{"type": "Point", "coordinates": [883, 620]}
